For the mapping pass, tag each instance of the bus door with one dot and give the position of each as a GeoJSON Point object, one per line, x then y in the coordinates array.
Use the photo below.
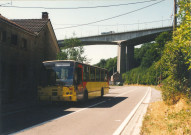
{"type": "Point", "coordinates": [78, 78]}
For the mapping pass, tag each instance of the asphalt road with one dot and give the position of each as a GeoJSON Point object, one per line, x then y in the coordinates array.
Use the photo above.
{"type": "Point", "coordinates": [102, 116]}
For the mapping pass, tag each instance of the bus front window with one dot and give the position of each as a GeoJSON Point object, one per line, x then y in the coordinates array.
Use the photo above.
{"type": "Point", "coordinates": [59, 74]}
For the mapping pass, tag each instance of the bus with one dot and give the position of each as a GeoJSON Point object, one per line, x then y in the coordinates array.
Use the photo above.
{"type": "Point", "coordinates": [68, 80]}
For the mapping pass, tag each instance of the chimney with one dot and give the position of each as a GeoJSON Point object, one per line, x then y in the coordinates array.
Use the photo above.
{"type": "Point", "coordinates": [44, 15]}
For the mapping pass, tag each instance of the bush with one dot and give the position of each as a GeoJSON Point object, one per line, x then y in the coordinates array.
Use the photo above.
{"type": "Point", "coordinates": [142, 75]}
{"type": "Point", "coordinates": [170, 91]}
{"type": "Point", "coordinates": [176, 59]}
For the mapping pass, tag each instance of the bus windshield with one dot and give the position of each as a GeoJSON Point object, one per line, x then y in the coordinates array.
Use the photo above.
{"type": "Point", "coordinates": [59, 73]}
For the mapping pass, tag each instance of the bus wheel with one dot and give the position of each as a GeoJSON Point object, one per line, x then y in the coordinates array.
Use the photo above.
{"type": "Point", "coordinates": [102, 92]}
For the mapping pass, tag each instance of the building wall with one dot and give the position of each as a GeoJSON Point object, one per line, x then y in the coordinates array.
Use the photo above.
{"type": "Point", "coordinates": [20, 63]}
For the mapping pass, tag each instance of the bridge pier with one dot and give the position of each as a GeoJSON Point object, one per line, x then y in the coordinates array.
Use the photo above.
{"type": "Point", "coordinates": [130, 58]}
{"type": "Point", "coordinates": [127, 40]}
{"type": "Point", "coordinates": [121, 58]}
{"type": "Point", "coordinates": [125, 58]}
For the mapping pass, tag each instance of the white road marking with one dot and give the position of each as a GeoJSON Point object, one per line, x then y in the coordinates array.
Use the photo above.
{"type": "Point", "coordinates": [57, 118]}
{"type": "Point", "coordinates": [70, 113]}
{"type": "Point", "coordinates": [111, 90]}
{"type": "Point", "coordinates": [121, 127]}
{"type": "Point", "coordinates": [118, 120]}
{"type": "Point", "coordinates": [124, 93]}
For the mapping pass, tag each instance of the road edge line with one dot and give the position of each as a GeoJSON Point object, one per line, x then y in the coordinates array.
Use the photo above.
{"type": "Point", "coordinates": [34, 126]}
{"type": "Point", "coordinates": [128, 118]}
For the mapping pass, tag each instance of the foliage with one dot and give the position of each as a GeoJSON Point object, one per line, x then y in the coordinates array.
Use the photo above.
{"type": "Point", "coordinates": [73, 50]}
{"type": "Point", "coordinates": [162, 39]}
{"type": "Point", "coordinates": [174, 67]}
{"type": "Point", "coordinates": [176, 59]}
{"type": "Point", "coordinates": [139, 53]}
{"type": "Point", "coordinates": [150, 56]}
{"type": "Point", "coordinates": [151, 52]}
{"type": "Point", "coordinates": [142, 75]}
{"type": "Point", "coordinates": [147, 58]}
{"type": "Point", "coordinates": [110, 64]}
{"type": "Point", "coordinates": [102, 63]}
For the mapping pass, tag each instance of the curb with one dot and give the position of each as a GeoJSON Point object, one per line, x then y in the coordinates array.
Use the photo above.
{"type": "Point", "coordinates": [124, 127]}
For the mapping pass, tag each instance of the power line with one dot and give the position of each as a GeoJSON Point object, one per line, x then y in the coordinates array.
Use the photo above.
{"type": "Point", "coordinates": [83, 7]}
{"type": "Point", "coordinates": [120, 24]}
{"type": "Point", "coordinates": [111, 17]}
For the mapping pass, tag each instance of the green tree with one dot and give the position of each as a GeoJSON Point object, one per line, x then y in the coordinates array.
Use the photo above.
{"type": "Point", "coordinates": [110, 64]}
{"type": "Point", "coordinates": [176, 59]}
{"type": "Point", "coordinates": [140, 52]}
{"type": "Point", "coordinates": [150, 56]}
{"type": "Point", "coordinates": [102, 63]}
{"type": "Point", "coordinates": [147, 59]}
{"type": "Point", "coordinates": [72, 50]}
{"type": "Point", "coordinates": [161, 40]}
{"type": "Point", "coordinates": [152, 52]}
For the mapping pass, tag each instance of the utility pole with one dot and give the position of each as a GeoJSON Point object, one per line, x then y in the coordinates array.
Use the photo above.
{"type": "Point", "coordinates": [175, 13]}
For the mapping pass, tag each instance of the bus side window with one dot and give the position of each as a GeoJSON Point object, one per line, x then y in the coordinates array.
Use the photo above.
{"type": "Point", "coordinates": [92, 74]}
{"type": "Point", "coordinates": [88, 73]}
{"type": "Point", "coordinates": [105, 79]}
{"type": "Point", "coordinates": [97, 75]}
{"type": "Point", "coordinates": [102, 75]}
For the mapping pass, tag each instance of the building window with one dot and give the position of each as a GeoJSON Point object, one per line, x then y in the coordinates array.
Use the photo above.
{"type": "Point", "coordinates": [3, 36]}
{"type": "Point", "coordinates": [14, 39]}
{"type": "Point", "coordinates": [24, 44]}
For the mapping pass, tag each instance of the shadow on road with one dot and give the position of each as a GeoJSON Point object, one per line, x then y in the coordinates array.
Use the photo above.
{"type": "Point", "coordinates": [110, 102]}
{"type": "Point", "coordinates": [30, 117]}
{"type": "Point", "coordinates": [39, 114]}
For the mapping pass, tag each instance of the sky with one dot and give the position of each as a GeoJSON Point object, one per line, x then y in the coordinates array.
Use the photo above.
{"type": "Point", "coordinates": [158, 15]}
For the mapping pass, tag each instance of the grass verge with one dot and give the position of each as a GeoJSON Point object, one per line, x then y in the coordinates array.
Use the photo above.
{"type": "Point", "coordinates": [162, 119]}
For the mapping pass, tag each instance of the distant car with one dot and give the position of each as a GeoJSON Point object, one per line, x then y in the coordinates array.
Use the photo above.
{"type": "Point", "coordinates": [109, 32]}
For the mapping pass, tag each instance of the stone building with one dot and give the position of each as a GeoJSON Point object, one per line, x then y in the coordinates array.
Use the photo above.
{"type": "Point", "coordinates": [24, 44]}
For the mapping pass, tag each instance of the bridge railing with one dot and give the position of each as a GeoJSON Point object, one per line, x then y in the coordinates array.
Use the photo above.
{"type": "Point", "coordinates": [118, 28]}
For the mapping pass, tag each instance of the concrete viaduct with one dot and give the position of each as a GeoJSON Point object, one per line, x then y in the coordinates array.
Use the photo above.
{"type": "Point", "coordinates": [125, 41]}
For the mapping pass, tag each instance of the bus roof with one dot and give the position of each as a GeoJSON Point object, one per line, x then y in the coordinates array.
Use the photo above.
{"type": "Point", "coordinates": [72, 61]}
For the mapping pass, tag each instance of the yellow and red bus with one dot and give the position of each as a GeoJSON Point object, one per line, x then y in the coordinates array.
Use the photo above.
{"type": "Point", "coordinates": [67, 80]}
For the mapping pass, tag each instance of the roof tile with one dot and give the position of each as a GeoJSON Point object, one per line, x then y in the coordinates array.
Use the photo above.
{"type": "Point", "coordinates": [34, 25]}
{"type": "Point", "coordinates": [12, 23]}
